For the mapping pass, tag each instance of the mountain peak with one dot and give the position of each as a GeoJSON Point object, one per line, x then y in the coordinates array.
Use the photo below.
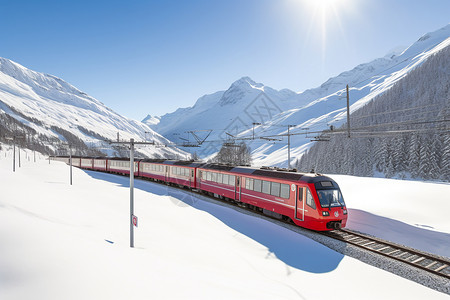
{"type": "Point", "coordinates": [150, 120]}
{"type": "Point", "coordinates": [239, 89]}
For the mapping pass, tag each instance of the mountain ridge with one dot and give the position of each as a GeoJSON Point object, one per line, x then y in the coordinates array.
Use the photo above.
{"type": "Point", "coordinates": [45, 102]}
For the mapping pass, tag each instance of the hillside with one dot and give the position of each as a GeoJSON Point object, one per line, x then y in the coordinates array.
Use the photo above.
{"type": "Point", "coordinates": [49, 110]}
{"type": "Point", "coordinates": [403, 133]}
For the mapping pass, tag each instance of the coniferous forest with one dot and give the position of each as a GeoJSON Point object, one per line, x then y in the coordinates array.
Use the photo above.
{"type": "Point", "coordinates": [403, 133]}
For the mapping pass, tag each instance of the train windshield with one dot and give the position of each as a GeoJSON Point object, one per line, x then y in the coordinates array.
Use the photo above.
{"type": "Point", "coordinates": [330, 198]}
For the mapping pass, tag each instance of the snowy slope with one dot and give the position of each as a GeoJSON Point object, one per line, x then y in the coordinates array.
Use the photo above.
{"type": "Point", "coordinates": [72, 242]}
{"type": "Point", "coordinates": [247, 102]}
{"type": "Point", "coordinates": [366, 81]}
{"type": "Point", "coordinates": [44, 100]}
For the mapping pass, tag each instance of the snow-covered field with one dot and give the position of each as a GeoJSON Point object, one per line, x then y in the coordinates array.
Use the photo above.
{"type": "Point", "coordinates": [72, 242]}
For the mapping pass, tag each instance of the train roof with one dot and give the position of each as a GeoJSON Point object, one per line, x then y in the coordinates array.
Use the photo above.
{"type": "Point", "coordinates": [270, 173]}
{"type": "Point", "coordinates": [185, 163]}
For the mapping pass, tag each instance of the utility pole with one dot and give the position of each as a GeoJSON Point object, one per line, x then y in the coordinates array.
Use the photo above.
{"type": "Point", "coordinates": [70, 160]}
{"type": "Point", "coordinates": [289, 146]}
{"type": "Point", "coordinates": [14, 154]}
{"type": "Point", "coordinates": [131, 192]}
{"type": "Point", "coordinates": [133, 218]}
{"type": "Point", "coordinates": [348, 113]}
{"type": "Point", "coordinates": [14, 150]}
{"type": "Point", "coordinates": [254, 123]}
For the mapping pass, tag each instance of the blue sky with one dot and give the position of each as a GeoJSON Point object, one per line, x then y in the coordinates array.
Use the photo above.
{"type": "Point", "coordinates": [151, 57]}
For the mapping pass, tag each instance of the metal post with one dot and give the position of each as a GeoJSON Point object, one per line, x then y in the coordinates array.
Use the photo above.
{"type": "Point", "coordinates": [348, 113]}
{"type": "Point", "coordinates": [289, 148]}
{"type": "Point", "coordinates": [70, 160]}
{"type": "Point", "coordinates": [131, 192]}
{"type": "Point", "coordinates": [254, 123]}
{"type": "Point", "coordinates": [18, 149]}
{"type": "Point", "coordinates": [14, 154]}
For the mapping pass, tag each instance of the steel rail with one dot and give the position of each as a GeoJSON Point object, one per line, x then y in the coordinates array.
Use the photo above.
{"type": "Point", "coordinates": [424, 261]}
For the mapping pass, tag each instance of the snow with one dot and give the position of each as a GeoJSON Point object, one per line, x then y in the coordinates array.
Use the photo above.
{"type": "Point", "coordinates": [411, 213]}
{"type": "Point", "coordinates": [54, 241]}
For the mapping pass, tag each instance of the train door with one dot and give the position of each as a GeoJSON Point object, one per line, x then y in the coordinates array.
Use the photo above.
{"type": "Point", "coordinates": [300, 204]}
{"type": "Point", "coordinates": [166, 173]}
{"type": "Point", "coordinates": [192, 178]}
{"type": "Point", "coordinates": [238, 188]}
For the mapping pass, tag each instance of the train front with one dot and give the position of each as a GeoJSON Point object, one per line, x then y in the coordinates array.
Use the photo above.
{"type": "Point", "coordinates": [331, 208]}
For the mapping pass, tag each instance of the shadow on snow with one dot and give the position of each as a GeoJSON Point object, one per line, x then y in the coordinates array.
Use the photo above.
{"type": "Point", "coordinates": [419, 237]}
{"type": "Point", "coordinates": [292, 248]}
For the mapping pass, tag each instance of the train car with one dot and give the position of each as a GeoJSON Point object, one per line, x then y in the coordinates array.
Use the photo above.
{"type": "Point", "coordinates": [183, 173]}
{"type": "Point", "coordinates": [154, 169]}
{"type": "Point", "coordinates": [180, 173]}
{"type": "Point", "coordinates": [309, 200]}
{"type": "Point", "coordinates": [64, 159]}
{"type": "Point", "coordinates": [218, 181]}
{"type": "Point", "coordinates": [120, 165]}
{"type": "Point", "coordinates": [87, 163]}
{"type": "Point", "coordinates": [100, 163]}
{"type": "Point", "coordinates": [76, 161]}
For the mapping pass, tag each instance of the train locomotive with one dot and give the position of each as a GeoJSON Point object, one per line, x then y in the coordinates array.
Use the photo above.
{"type": "Point", "coordinates": [311, 201]}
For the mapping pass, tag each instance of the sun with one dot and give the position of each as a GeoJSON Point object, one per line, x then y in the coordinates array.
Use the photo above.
{"type": "Point", "coordinates": [325, 4]}
{"type": "Point", "coordinates": [325, 18]}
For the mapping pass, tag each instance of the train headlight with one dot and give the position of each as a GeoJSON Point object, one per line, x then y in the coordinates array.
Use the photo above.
{"type": "Point", "coordinates": [345, 211]}
{"type": "Point", "coordinates": [325, 213]}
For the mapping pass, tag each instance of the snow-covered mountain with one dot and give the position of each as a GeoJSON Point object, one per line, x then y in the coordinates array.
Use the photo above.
{"type": "Point", "coordinates": [49, 106]}
{"type": "Point", "coordinates": [235, 110]}
{"type": "Point", "coordinates": [231, 111]}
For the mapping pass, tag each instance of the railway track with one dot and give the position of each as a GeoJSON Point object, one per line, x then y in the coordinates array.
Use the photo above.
{"type": "Point", "coordinates": [424, 261]}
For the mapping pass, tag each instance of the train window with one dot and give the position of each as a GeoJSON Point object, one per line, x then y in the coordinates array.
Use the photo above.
{"type": "Point", "coordinates": [232, 180]}
{"type": "Point", "coordinates": [219, 178]}
{"type": "Point", "coordinates": [257, 185]}
{"type": "Point", "coordinates": [225, 179]}
{"type": "Point", "coordinates": [214, 177]}
{"type": "Point", "coordinates": [300, 194]}
{"type": "Point", "coordinates": [208, 176]}
{"type": "Point", "coordinates": [192, 173]}
{"type": "Point", "coordinates": [284, 191]}
{"type": "Point", "coordinates": [266, 187]}
{"type": "Point", "coordinates": [249, 183]}
{"type": "Point", "coordinates": [310, 200]}
{"type": "Point", "coordinates": [275, 189]}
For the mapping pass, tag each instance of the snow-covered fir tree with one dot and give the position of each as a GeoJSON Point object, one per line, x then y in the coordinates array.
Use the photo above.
{"type": "Point", "coordinates": [406, 130]}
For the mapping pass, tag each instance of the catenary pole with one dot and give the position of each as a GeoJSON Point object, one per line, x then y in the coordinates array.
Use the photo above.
{"type": "Point", "coordinates": [131, 192]}
{"type": "Point", "coordinates": [70, 160]}
{"type": "Point", "coordinates": [348, 113]}
{"type": "Point", "coordinates": [132, 143]}
{"type": "Point", "coordinates": [14, 154]}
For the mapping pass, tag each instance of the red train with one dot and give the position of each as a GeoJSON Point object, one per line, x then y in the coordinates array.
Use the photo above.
{"type": "Point", "coordinates": [312, 201]}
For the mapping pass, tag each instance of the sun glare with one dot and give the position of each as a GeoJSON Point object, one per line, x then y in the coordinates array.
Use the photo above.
{"type": "Point", "coordinates": [324, 4]}
{"type": "Point", "coordinates": [325, 17]}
